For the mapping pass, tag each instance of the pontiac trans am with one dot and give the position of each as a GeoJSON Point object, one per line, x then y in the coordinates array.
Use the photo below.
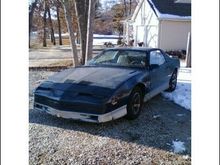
{"type": "Point", "coordinates": [113, 84]}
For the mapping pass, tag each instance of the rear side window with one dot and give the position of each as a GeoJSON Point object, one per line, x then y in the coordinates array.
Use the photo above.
{"type": "Point", "coordinates": [156, 57]}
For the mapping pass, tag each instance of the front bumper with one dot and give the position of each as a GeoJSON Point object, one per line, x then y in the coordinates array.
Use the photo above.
{"type": "Point", "coordinates": [95, 118]}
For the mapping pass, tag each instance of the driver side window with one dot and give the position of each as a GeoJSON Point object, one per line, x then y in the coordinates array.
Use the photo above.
{"type": "Point", "coordinates": [156, 58]}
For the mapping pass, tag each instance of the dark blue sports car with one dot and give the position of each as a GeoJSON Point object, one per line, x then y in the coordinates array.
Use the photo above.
{"type": "Point", "coordinates": [113, 84]}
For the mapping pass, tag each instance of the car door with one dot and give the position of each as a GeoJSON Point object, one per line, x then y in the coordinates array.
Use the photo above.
{"type": "Point", "coordinates": [158, 70]}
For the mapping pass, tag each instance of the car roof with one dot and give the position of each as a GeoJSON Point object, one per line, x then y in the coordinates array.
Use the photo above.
{"type": "Point", "coordinates": [133, 48]}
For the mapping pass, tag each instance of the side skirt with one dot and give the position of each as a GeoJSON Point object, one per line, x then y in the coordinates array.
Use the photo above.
{"type": "Point", "coordinates": [156, 91]}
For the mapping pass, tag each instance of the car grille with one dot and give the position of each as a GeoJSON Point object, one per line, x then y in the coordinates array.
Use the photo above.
{"type": "Point", "coordinates": [93, 108]}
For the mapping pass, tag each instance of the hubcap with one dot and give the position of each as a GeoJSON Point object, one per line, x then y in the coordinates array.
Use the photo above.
{"type": "Point", "coordinates": [136, 103]}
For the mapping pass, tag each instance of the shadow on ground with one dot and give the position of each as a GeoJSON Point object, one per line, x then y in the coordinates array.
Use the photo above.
{"type": "Point", "coordinates": [160, 122]}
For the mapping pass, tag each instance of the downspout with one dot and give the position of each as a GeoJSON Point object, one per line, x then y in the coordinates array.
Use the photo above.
{"type": "Point", "coordinates": [159, 34]}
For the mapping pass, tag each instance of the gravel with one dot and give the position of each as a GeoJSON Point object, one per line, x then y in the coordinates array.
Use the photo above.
{"type": "Point", "coordinates": [146, 140]}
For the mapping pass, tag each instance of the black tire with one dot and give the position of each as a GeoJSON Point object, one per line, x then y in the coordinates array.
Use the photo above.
{"type": "Point", "coordinates": [173, 82]}
{"type": "Point", "coordinates": [135, 103]}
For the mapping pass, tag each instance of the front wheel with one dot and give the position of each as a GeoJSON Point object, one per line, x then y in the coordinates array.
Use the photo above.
{"type": "Point", "coordinates": [135, 103]}
{"type": "Point", "coordinates": [173, 82]}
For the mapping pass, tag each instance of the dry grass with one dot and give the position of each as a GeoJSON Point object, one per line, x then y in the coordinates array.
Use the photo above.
{"type": "Point", "coordinates": [39, 44]}
{"type": "Point", "coordinates": [61, 63]}
{"type": "Point", "coordinates": [66, 41]}
{"type": "Point", "coordinates": [53, 63]}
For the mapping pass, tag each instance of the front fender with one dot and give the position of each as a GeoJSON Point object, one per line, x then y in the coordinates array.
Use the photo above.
{"type": "Point", "coordinates": [124, 90]}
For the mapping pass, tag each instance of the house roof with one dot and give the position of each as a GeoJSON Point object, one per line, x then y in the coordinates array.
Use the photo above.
{"type": "Point", "coordinates": [171, 9]}
{"type": "Point", "coordinates": [167, 9]}
{"type": "Point", "coordinates": [183, 1]}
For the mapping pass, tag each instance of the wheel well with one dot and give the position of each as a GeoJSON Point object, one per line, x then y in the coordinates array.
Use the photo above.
{"type": "Point", "coordinates": [175, 70]}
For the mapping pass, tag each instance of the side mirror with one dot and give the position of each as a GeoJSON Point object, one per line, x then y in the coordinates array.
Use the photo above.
{"type": "Point", "coordinates": [154, 66]}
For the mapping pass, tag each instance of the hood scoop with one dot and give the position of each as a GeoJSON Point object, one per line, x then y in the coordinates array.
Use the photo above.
{"type": "Point", "coordinates": [90, 95]}
{"type": "Point", "coordinates": [84, 94]}
{"type": "Point", "coordinates": [80, 82]}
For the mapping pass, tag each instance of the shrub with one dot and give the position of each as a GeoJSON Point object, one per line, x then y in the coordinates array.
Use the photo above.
{"type": "Point", "coordinates": [181, 54]}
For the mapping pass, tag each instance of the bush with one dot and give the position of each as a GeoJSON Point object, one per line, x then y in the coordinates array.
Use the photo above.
{"type": "Point", "coordinates": [181, 54]}
{"type": "Point", "coordinates": [119, 42]}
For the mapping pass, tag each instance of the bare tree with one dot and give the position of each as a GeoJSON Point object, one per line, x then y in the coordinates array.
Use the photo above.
{"type": "Point", "coordinates": [44, 26]}
{"type": "Point", "coordinates": [81, 7]}
{"type": "Point", "coordinates": [31, 13]}
{"type": "Point", "coordinates": [90, 27]}
{"type": "Point", "coordinates": [118, 16]}
{"type": "Point", "coordinates": [51, 25]}
{"type": "Point", "coordinates": [86, 24]}
{"type": "Point", "coordinates": [125, 8]}
{"type": "Point", "coordinates": [67, 10]}
{"type": "Point", "coordinates": [59, 24]}
{"type": "Point", "coordinates": [130, 5]}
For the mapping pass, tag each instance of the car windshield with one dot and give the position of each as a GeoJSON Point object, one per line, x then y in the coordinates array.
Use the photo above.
{"type": "Point", "coordinates": [126, 58]}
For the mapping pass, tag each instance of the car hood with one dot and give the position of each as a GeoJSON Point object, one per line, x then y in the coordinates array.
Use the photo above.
{"type": "Point", "coordinates": [85, 82]}
{"type": "Point", "coordinates": [106, 77]}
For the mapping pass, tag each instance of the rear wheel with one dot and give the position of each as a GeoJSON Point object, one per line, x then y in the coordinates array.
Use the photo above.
{"type": "Point", "coordinates": [173, 82]}
{"type": "Point", "coordinates": [135, 103]}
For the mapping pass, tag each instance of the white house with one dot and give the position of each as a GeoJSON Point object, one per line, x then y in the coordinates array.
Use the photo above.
{"type": "Point", "coordinates": [161, 23]}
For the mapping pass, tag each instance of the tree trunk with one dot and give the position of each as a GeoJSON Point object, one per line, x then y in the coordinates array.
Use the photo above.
{"type": "Point", "coordinates": [81, 7]}
{"type": "Point", "coordinates": [130, 7]}
{"type": "Point", "coordinates": [125, 8]}
{"type": "Point", "coordinates": [90, 26]}
{"type": "Point", "coordinates": [67, 11]}
{"type": "Point", "coordinates": [31, 13]}
{"type": "Point", "coordinates": [44, 28]}
{"type": "Point", "coordinates": [51, 27]}
{"type": "Point", "coordinates": [77, 37]}
{"type": "Point", "coordinates": [59, 26]}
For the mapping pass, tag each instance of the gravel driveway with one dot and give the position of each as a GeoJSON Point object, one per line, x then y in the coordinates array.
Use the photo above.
{"type": "Point", "coordinates": [146, 140]}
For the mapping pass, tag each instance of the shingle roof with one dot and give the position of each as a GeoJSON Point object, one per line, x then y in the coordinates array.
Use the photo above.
{"type": "Point", "coordinates": [171, 7]}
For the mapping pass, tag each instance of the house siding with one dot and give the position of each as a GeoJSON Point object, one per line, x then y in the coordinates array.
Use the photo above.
{"type": "Point", "coordinates": [173, 34]}
{"type": "Point", "coordinates": [146, 26]}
